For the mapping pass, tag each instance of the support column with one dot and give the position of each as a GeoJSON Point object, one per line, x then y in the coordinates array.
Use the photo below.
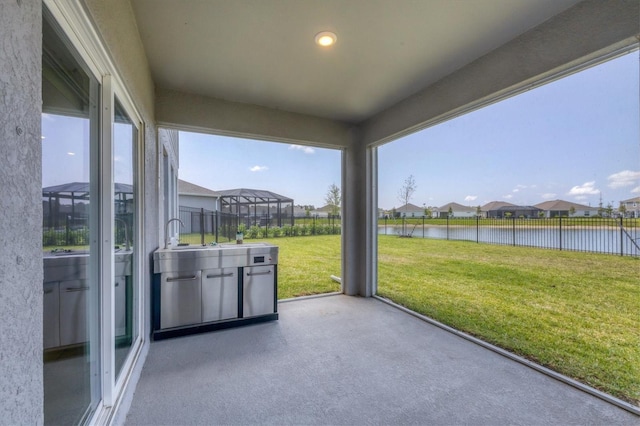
{"type": "Point", "coordinates": [357, 199]}
{"type": "Point", "coordinates": [21, 275]}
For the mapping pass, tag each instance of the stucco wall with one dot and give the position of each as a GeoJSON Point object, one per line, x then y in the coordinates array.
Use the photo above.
{"type": "Point", "coordinates": [21, 391]}
{"type": "Point", "coordinates": [198, 113]}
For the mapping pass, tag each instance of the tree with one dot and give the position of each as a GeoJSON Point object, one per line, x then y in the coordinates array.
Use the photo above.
{"type": "Point", "coordinates": [407, 190]}
{"type": "Point", "coordinates": [572, 211]}
{"type": "Point", "coordinates": [609, 210]}
{"type": "Point", "coordinates": [622, 209]}
{"type": "Point", "coordinates": [333, 199]}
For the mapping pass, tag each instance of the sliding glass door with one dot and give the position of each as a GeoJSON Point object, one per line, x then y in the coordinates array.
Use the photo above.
{"type": "Point", "coordinates": [70, 232]}
{"type": "Point", "coordinates": [125, 136]}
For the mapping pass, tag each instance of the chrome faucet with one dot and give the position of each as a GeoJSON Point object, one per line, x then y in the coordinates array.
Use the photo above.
{"type": "Point", "coordinates": [126, 234]}
{"type": "Point", "coordinates": [166, 231]}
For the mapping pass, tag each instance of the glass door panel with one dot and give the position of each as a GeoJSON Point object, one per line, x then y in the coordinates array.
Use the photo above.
{"type": "Point", "coordinates": [70, 130]}
{"type": "Point", "coordinates": [125, 228]}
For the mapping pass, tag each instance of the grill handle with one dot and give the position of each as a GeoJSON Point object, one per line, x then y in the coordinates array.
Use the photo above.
{"type": "Point", "coordinates": [191, 278]}
{"type": "Point", "coordinates": [249, 274]}
{"type": "Point", "coordinates": [230, 274]}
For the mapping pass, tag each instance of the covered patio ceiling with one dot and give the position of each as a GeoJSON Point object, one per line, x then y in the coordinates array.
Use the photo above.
{"type": "Point", "coordinates": [251, 67]}
{"type": "Point", "coordinates": [263, 52]}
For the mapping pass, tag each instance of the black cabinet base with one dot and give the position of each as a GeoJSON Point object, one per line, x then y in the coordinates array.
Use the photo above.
{"type": "Point", "coordinates": [211, 326]}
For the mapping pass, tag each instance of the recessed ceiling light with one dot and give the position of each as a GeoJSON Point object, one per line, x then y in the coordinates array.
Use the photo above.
{"type": "Point", "coordinates": [326, 39]}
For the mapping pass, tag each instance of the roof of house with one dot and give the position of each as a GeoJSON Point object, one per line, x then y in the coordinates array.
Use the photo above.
{"type": "Point", "coordinates": [455, 207]}
{"type": "Point", "coordinates": [561, 205]}
{"type": "Point", "coordinates": [328, 208]}
{"type": "Point", "coordinates": [409, 207]}
{"type": "Point", "coordinates": [516, 208]}
{"type": "Point", "coordinates": [495, 205]}
{"type": "Point", "coordinates": [632, 200]}
{"type": "Point", "coordinates": [188, 188]}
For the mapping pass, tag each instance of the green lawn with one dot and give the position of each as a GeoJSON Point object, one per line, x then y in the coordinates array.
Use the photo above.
{"type": "Point", "coordinates": [576, 313]}
{"type": "Point", "coordinates": [305, 264]}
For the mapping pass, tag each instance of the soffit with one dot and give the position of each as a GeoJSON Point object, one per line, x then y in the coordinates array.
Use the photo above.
{"type": "Point", "coordinates": [262, 52]}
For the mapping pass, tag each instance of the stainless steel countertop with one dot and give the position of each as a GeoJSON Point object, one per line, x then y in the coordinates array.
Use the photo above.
{"type": "Point", "coordinates": [194, 258]}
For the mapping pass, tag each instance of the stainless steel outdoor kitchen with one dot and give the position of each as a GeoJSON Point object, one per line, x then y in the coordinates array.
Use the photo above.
{"type": "Point", "coordinates": [198, 289]}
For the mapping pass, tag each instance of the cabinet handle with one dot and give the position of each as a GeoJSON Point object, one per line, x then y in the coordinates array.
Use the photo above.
{"type": "Point", "coordinates": [230, 274]}
{"type": "Point", "coordinates": [249, 274]}
{"type": "Point", "coordinates": [48, 291]}
{"type": "Point", "coordinates": [71, 289]}
{"type": "Point", "coordinates": [182, 278]}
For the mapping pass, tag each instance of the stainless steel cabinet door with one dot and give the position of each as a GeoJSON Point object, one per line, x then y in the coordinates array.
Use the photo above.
{"type": "Point", "coordinates": [180, 299]}
{"type": "Point", "coordinates": [73, 312]}
{"type": "Point", "coordinates": [258, 291]}
{"type": "Point", "coordinates": [51, 309]}
{"type": "Point", "coordinates": [219, 294]}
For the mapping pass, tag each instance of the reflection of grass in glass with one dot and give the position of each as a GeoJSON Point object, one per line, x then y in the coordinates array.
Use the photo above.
{"type": "Point", "coordinates": [576, 313]}
{"type": "Point", "coordinates": [65, 237]}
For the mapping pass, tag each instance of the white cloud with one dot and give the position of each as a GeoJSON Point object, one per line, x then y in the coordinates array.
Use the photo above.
{"type": "Point", "coordinates": [623, 178]}
{"type": "Point", "coordinates": [305, 149]}
{"type": "Point", "coordinates": [508, 196]}
{"type": "Point", "coordinates": [516, 190]}
{"type": "Point", "coordinates": [521, 186]}
{"type": "Point", "coordinates": [470, 197]}
{"type": "Point", "coordinates": [581, 197]}
{"type": "Point", "coordinates": [586, 188]}
{"type": "Point", "coordinates": [636, 190]}
{"type": "Point", "coordinates": [258, 168]}
{"type": "Point", "coordinates": [549, 196]}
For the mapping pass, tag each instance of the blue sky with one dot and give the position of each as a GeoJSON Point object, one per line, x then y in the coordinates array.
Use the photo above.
{"type": "Point", "coordinates": [573, 139]}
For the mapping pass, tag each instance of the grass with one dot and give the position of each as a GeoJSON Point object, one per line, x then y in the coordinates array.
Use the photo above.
{"type": "Point", "coordinates": [305, 264]}
{"type": "Point", "coordinates": [576, 313]}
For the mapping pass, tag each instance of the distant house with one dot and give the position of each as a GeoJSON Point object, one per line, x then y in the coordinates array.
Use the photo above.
{"type": "Point", "coordinates": [409, 210]}
{"type": "Point", "coordinates": [324, 211]}
{"type": "Point", "coordinates": [561, 208]}
{"type": "Point", "coordinates": [528, 212]}
{"type": "Point", "coordinates": [491, 209]}
{"type": "Point", "coordinates": [299, 211]}
{"type": "Point", "coordinates": [455, 210]}
{"type": "Point", "coordinates": [632, 207]}
{"type": "Point", "coordinates": [194, 196]}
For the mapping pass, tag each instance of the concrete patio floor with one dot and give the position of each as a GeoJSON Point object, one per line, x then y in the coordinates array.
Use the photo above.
{"type": "Point", "coordinates": [345, 360]}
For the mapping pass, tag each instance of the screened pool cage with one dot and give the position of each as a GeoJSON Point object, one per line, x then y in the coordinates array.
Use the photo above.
{"type": "Point", "coordinates": [237, 208]}
{"type": "Point", "coordinates": [65, 214]}
{"type": "Point", "coordinates": [255, 207]}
